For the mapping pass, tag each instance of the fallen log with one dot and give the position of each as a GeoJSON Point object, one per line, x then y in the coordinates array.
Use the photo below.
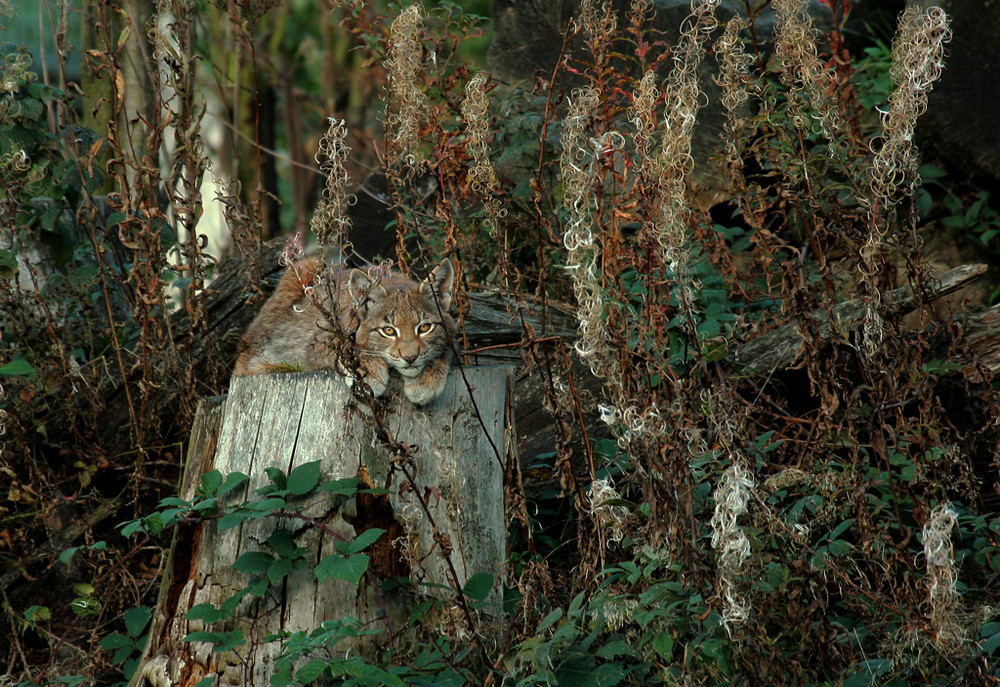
{"type": "Point", "coordinates": [780, 348]}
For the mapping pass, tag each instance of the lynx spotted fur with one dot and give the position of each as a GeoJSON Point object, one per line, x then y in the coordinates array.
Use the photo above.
{"type": "Point", "coordinates": [391, 322]}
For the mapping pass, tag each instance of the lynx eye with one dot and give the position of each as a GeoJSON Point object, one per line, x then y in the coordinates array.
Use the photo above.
{"type": "Point", "coordinates": [424, 327]}
{"type": "Point", "coordinates": [388, 331]}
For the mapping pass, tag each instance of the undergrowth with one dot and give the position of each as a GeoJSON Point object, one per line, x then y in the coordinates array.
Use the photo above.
{"type": "Point", "coordinates": [704, 517]}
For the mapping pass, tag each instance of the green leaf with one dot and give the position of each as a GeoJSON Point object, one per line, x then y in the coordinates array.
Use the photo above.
{"type": "Point", "coordinates": [349, 569]}
{"type": "Point", "coordinates": [51, 215]}
{"type": "Point", "coordinates": [67, 555]}
{"type": "Point", "coordinates": [207, 613]}
{"type": "Point", "coordinates": [210, 481]}
{"type": "Point", "coordinates": [372, 675]}
{"type": "Point", "coordinates": [115, 641]}
{"type": "Point", "coordinates": [360, 542]}
{"type": "Point", "coordinates": [347, 486]}
{"type": "Point", "coordinates": [549, 620]}
{"type": "Point", "coordinates": [279, 569]}
{"type": "Point", "coordinates": [931, 171]}
{"type": "Point", "coordinates": [232, 602]}
{"type": "Point", "coordinates": [663, 645]}
{"type": "Point", "coordinates": [841, 528]}
{"type": "Point", "coordinates": [713, 648]}
{"type": "Point", "coordinates": [37, 614]}
{"type": "Point", "coordinates": [130, 528]}
{"type": "Point", "coordinates": [310, 671]}
{"type": "Point", "coordinates": [304, 478]}
{"type": "Point", "coordinates": [838, 548]}
{"type": "Point", "coordinates": [233, 480]}
{"type": "Point", "coordinates": [277, 477]}
{"type": "Point", "coordinates": [122, 655]}
{"type": "Point", "coordinates": [206, 681]}
{"type": "Point", "coordinates": [867, 674]}
{"type": "Point", "coordinates": [8, 263]}
{"type": "Point", "coordinates": [258, 587]}
{"type": "Point", "coordinates": [230, 520]}
{"type": "Point", "coordinates": [990, 644]}
{"type": "Point", "coordinates": [253, 562]}
{"type": "Point", "coordinates": [115, 218]}
{"type": "Point", "coordinates": [31, 108]}
{"type": "Point", "coordinates": [85, 606]}
{"type": "Point", "coordinates": [282, 542]}
{"type": "Point", "coordinates": [614, 649]}
{"type": "Point", "coordinates": [270, 505]}
{"type": "Point", "coordinates": [136, 620]}
{"type": "Point", "coordinates": [479, 586]}
{"type": "Point", "coordinates": [17, 368]}
{"type": "Point", "coordinates": [223, 641]}
{"type": "Point", "coordinates": [205, 505]}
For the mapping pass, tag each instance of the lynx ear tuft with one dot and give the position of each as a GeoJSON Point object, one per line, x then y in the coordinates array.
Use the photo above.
{"type": "Point", "coordinates": [442, 280]}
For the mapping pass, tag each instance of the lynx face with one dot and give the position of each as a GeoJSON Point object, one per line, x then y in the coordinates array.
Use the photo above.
{"type": "Point", "coordinates": [394, 322]}
{"type": "Point", "coordinates": [405, 327]}
{"type": "Point", "coordinates": [405, 337]}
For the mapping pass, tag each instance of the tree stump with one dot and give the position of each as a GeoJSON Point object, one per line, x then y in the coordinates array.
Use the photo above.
{"type": "Point", "coordinates": [440, 488]}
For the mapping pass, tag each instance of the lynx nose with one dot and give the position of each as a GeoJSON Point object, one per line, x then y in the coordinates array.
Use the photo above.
{"type": "Point", "coordinates": [409, 357]}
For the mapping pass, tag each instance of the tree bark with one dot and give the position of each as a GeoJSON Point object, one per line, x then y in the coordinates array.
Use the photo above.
{"type": "Point", "coordinates": [446, 494]}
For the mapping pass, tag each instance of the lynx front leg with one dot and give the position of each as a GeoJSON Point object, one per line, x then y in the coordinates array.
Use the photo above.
{"type": "Point", "coordinates": [376, 374]}
{"type": "Point", "coordinates": [429, 384]}
{"type": "Point", "coordinates": [374, 371]}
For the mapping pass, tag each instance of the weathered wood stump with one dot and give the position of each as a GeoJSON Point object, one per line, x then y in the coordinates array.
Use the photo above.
{"type": "Point", "coordinates": [440, 500]}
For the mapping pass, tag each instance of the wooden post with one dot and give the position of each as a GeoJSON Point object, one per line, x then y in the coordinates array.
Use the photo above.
{"type": "Point", "coordinates": [447, 494]}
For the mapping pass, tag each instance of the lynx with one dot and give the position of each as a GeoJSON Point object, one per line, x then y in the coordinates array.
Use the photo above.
{"type": "Point", "coordinates": [391, 321]}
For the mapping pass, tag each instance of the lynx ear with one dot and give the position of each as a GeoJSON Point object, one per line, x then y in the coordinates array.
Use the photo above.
{"type": "Point", "coordinates": [362, 286]}
{"type": "Point", "coordinates": [442, 280]}
{"type": "Point", "coordinates": [358, 282]}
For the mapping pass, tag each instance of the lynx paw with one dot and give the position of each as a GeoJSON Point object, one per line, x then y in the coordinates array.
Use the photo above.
{"type": "Point", "coordinates": [423, 390]}
{"type": "Point", "coordinates": [377, 387]}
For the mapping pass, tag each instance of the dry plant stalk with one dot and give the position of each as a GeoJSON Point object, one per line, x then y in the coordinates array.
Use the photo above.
{"type": "Point", "coordinates": [735, 82]}
{"type": "Point", "coordinates": [610, 518]}
{"type": "Point", "coordinates": [731, 496]}
{"type": "Point", "coordinates": [15, 70]}
{"type": "Point", "coordinates": [804, 74]}
{"type": "Point", "coordinates": [4, 400]}
{"type": "Point", "coordinates": [663, 165]}
{"type": "Point", "coordinates": [666, 169]}
{"type": "Point", "coordinates": [942, 596]}
{"type": "Point", "coordinates": [330, 222]}
{"type": "Point", "coordinates": [917, 60]}
{"type": "Point", "coordinates": [598, 21]}
{"type": "Point", "coordinates": [408, 104]}
{"type": "Point", "coordinates": [482, 176]}
{"type": "Point", "coordinates": [643, 116]}
{"type": "Point", "coordinates": [682, 100]}
{"type": "Point", "coordinates": [579, 174]}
